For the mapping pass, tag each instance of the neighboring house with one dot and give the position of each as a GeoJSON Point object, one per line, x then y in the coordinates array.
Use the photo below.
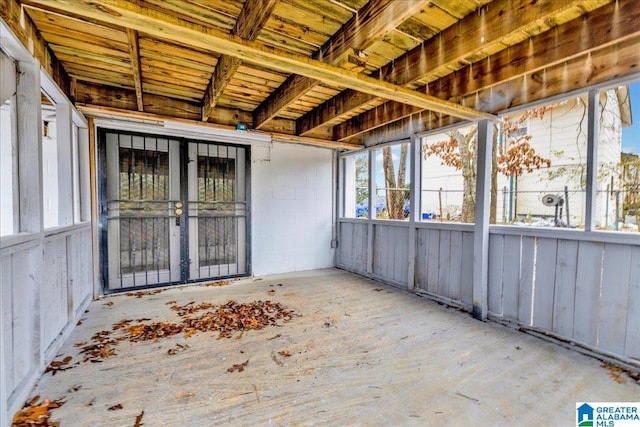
{"type": "Point", "coordinates": [561, 136]}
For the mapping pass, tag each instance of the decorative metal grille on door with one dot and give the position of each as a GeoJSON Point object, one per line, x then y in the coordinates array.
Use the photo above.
{"type": "Point", "coordinates": [175, 210]}
{"type": "Point", "coordinates": [217, 210]}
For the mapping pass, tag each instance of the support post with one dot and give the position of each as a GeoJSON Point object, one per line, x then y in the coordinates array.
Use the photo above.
{"type": "Point", "coordinates": [64, 147]}
{"type": "Point", "coordinates": [592, 160]}
{"type": "Point", "coordinates": [481, 230]}
{"type": "Point", "coordinates": [414, 207]}
{"type": "Point", "coordinates": [372, 209]}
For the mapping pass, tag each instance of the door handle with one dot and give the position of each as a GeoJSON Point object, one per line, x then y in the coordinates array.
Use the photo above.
{"type": "Point", "coordinates": [178, 211]}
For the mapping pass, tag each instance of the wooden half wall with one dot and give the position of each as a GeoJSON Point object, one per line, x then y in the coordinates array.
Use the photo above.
{"type": "Point", "coordinates": [581, 288]}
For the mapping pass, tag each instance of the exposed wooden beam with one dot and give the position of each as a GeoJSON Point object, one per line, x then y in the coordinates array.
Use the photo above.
{"type": "Point", "coordinates": [603, 27]}
{"type": "Point", "coordinates": [598, 66]}
{"type": "Point", "coordinates": [101, 111]}
{"type": "Point", "coordinates": [125, 99]}
{"type": "Point", "coordinates": [252, 18]}
{"type": "Point", "coordinates": [294, 84]}
{"type": "Point", "coordinates": [592, 68]}
{"type": "Point", "coordinates": [164, 26]}
{"type": "Point", "coordinates": [372, 22]}
{"type": "Point", "coordinates": [22, 26]}
{"type": "Point", "coordinates": [497, 21]}
{"type": "Point", "coordinates": [134, 52]}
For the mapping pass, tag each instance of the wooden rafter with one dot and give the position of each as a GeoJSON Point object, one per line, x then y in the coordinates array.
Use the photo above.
{"type": "Point", "coordinates": [372, 22]}
{"type": "Point", "coordinates": [164, 26]}
{"type": "Point", "coordinates": [601, 29]}
{"type": "Point", "coordinates": [25, 30]}
{"type": "Point", "coordinates": [430, 59]}
{"type": "Point", "coordinates": [134, 51]}
{"type": "Point", "coordinates": [252, 18]}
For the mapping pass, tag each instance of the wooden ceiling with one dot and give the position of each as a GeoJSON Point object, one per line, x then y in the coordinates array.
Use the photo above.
{"type": "Point", "coordinates": [327, 70]}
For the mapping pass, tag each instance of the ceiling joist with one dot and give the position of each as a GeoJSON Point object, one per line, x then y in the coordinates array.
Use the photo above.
{"type": "Point", "coordinates": [453, 46]}
{"type": "Point", "coordinates": [165, 26]}
{"type": "Point", "coordinates": [610, 24]}
{"type": "Point", "coordinates": [253, 17]}
{"type": "Point", "coordinates": [370, 23]}
{"type": "Point", "coordinates": [134, 51]}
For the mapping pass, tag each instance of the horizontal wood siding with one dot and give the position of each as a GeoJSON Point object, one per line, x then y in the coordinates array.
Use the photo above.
{"type": "Point", "coordinates": [583, 291]}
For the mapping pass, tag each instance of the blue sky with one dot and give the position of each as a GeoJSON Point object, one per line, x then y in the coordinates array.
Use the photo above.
{"type": "Point", "coordinates": [631, 134]}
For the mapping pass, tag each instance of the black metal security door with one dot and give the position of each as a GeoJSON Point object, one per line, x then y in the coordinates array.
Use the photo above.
{"type": "Point", "coordinates": [172, 210]}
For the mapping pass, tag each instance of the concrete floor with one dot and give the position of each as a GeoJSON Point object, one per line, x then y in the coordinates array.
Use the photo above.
{"type": "Point", "coordinates": [362, 353]}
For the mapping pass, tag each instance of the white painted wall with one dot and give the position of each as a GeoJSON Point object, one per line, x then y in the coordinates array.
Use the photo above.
{"type": "Point", "coordinates": [291, 208]}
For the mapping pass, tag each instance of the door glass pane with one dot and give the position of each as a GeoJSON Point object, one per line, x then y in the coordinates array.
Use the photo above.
{"type": "Point", "coordinates": [144, 209]}
{"type": "Point", "coordinates": [217, 224]}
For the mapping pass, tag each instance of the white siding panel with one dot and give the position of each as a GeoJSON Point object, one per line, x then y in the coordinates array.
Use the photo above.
{"type": "Point", "coordinates": [390, 257]}
{"type": "Point", "coordinates": [527, 263]}
{"type": "Point", "coordinates": [632, 342]}
{"type": "Point", "coordinates": [511, 277]}
{"type": "Point", "coordinates": [54, 293]}
{"type": "Point", "coordinates": [81, 261]}
{"type": "Point", "coordinates": [545, 270]}
{"type": "Point", "coordinates": [565, 289]}
{"type": "Point", "coordinates": [588, 277]}
{"type": "Point", "coordinates": [613, 302]}
{"type": "Point", "coordinates": [443, 263]}
{"type": "Point", "coordinates": [455, 266]}
{"type": "Point", "coordinates": [433, 261]}
{"type": "Point", "coordinates": [6, 313]}
{"type": "Point", "coordinates": [25, 293]}
{"type": "Point", "coordinates": [422, 237]}
{"type": "Point", "coordinates": [467, 268]}
{"type": "Point", "coordinates": [496, 257]}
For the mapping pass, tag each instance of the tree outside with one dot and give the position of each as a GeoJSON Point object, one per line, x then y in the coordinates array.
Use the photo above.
{"type": "Point", "coordinates": [513, 158]}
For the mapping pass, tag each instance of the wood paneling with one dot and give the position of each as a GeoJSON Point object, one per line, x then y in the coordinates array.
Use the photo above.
{"type": "Point", "coordinates": [576, 289]}
{"type": "Point", "coordinates": [353, 67]}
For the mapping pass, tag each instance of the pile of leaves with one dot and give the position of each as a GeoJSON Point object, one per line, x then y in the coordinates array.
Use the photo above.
{"type": "Point", "coordinates": [226, 320]}
{"type": "Point", "coordinates": [233, 317]}
{"type": "Point", "coordinates": [35, 413]}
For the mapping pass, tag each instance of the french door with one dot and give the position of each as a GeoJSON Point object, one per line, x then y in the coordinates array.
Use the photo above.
{"type": "Point", "coordinates": [173, 210]}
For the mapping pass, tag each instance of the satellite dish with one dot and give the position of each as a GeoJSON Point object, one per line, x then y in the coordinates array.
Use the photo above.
{"type": "Point", "coordinates": [550, 200]}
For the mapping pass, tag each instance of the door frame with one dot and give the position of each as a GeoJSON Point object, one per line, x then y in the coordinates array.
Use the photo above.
{"type": "Point", "coordinates": [103, 250]}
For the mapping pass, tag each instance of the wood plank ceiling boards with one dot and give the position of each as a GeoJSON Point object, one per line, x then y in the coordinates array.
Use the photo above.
{"type": "Point", "coordinates": [325, 72]}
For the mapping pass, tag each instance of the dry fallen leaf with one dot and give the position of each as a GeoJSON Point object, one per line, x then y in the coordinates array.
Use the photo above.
{"type": "Point", "coordinates": [59, 365]}
{"type": "Point", "coordinates": [177, 348]}
{"type": "Point", "coordinates": [228, 320]}
{"type": "Point", "coordinates": [108, 304]}
{"type": "Point", "coordinates": [217, 283]}
{"type": "Point", "coordinates": [240, 367]}
{"type": "Point", "coordinates": [115, 407]}
{"type": "Point", "coordinates": [140, 294]}
{"type": "Point", "coordinates": [35, 414]}
{"type": "Point", "coordinates": [284, 353]}
{"type": "Point", "coordinates": [138, 422]}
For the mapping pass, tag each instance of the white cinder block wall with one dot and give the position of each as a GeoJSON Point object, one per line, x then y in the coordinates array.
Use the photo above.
{"type": "Point", "coordinates": [292, 208]}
